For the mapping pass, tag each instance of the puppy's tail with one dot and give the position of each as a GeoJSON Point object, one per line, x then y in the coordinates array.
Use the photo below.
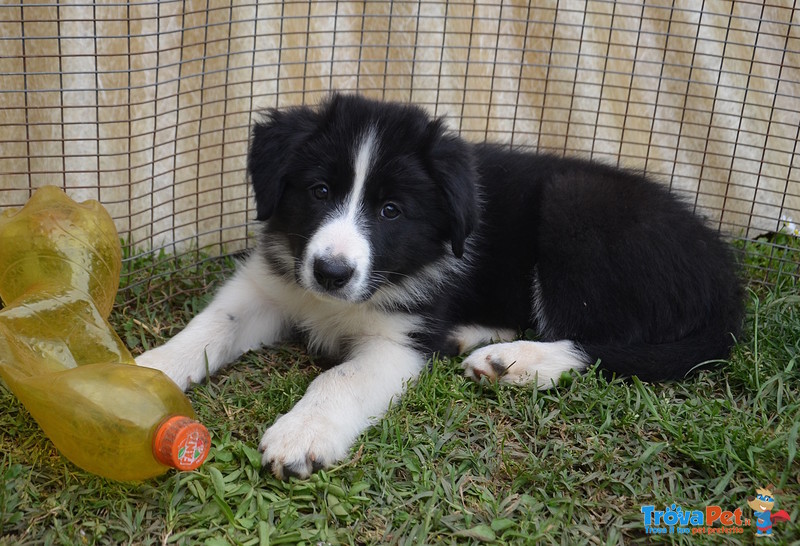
{"type": "Point", "coordinates": [662, 361]}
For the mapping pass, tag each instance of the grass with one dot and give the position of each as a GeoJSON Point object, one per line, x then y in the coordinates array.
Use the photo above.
{"type": "Point", "coordinates": [453, 463]}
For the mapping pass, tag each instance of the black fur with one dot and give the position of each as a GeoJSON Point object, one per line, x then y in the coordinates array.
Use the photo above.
{"type": "Point", "coordinates": [572, 249]}
{"type": "Point", "coordinates": [625, 269]}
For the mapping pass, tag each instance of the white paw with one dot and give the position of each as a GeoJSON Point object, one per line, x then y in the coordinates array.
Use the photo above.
{"type": "Point", "coordinates": [162, 358]}
{"type": "Point", "coordinates": [303, 441]}
{"type": "Point", "coordinates": [521, 362]}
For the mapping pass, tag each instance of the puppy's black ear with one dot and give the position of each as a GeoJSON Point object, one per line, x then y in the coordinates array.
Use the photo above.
{"type": "Point", "coordinates": [274, 138]}
{"type": "Point", "coordinates": [452, 166]}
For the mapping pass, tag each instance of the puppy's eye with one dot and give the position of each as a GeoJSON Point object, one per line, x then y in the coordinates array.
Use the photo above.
{"type": "Point", "coordinates": [390, 211]}
{"type": "Point", "coordinates": [321, 192]}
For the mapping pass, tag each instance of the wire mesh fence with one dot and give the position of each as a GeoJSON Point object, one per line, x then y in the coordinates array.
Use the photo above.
{"type": "Point", "coordinates": [146, 106]}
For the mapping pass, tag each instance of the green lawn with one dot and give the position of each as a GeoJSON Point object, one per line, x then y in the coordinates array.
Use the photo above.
{"type": "Point", "coordinates": [454, 462]}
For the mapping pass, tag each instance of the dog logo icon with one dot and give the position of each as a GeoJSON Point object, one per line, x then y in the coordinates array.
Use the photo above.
{"type": "Point", "coordinates": [762, 505]}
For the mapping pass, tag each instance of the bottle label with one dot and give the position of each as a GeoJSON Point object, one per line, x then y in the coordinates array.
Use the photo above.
{"type": "Point", "coordinates": [191, 450]}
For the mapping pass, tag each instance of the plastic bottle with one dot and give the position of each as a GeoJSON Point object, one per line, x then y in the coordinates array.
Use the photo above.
{"type": "Point", "coordinates": [59, 272]}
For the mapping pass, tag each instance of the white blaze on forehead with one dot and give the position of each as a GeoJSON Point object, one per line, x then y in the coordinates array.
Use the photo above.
{"type": "Point", "coordinates": [342, 235]}
{"type": "Point", "coordinates": [363, 160]}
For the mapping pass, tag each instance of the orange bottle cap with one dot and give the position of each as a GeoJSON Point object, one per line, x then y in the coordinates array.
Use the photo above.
{"type": "Point", "coordinates": [181, 442]}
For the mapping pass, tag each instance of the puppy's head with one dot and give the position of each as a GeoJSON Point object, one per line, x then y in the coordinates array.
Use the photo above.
{"type": "Point", "coordinates": [364, 193]}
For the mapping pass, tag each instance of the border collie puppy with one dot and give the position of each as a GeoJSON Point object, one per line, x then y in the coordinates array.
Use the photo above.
{"type": "Point", "coordinates": [386, 239]}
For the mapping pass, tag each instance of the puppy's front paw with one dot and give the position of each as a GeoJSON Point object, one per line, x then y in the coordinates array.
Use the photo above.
{"type": "Point", "coordinates": [302, 442]}
{"type": "Point", "coordinates": [161, 358]}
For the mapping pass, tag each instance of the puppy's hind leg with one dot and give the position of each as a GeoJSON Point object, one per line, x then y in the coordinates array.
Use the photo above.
{"type": "Point", "coordinates": [469, 336]}
{"type": "Point", "coordinates": [523, 362]}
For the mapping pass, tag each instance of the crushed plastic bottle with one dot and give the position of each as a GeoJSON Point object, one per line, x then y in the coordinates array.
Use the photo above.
{"type": "Point", "coordinates": [60, 263]}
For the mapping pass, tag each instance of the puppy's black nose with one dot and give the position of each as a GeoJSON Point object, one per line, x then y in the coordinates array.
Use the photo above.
{"type": "Point", "coordinates": [332, 273]}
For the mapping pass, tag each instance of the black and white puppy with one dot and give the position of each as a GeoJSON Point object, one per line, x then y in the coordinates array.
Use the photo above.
{"type": "Point", "coordinates": [387, 239]}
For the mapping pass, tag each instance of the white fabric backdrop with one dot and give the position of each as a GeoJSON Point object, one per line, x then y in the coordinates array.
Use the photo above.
{"type": "Point", "coordinates": [146, 105]}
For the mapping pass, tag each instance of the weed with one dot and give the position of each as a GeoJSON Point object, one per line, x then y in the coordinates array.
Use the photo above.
{"type": "Point", "coordinates": [453, 462]}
